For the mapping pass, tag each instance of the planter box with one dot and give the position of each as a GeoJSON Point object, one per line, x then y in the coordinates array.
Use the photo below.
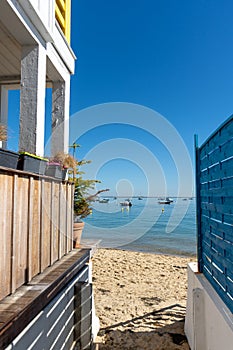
{"type": "Point", "coordinates": [8, 159]}
{"type": "Point", "coordinates": [32, 164]}
{"type": "Point", "coordinates": [54, 170]}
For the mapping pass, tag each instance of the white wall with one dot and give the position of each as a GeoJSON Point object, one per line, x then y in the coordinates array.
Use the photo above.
{"type": "Point", "coordinates": [53, 327]}
{"type": "Point", "coordinates": [208, 322]}
{"type": "Point", "coordinates": [43, 9]}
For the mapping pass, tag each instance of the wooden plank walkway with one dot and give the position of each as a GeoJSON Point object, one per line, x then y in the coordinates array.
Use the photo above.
{"type": "Point", "coordinates": [18, 309]}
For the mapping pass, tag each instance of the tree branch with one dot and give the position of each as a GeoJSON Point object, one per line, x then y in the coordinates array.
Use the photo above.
{"type": "Point", "coordinates": [89, 198]}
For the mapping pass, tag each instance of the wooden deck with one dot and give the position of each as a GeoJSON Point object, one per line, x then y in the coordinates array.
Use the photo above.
{"type": "Point", "coordinates": [18, 309]}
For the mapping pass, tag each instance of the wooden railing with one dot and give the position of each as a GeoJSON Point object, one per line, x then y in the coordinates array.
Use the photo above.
{"type": "Point", "coordinates": [36, 226]}
{"type": "Point", "coordinates": [62, 14]}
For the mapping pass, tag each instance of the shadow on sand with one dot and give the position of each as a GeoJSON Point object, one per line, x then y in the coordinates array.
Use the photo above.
{"type": "Point", "coordinates": [161, 329]}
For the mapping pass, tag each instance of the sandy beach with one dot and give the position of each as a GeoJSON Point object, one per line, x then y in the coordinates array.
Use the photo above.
{"type": "Point", "coordinates": [140, 300]}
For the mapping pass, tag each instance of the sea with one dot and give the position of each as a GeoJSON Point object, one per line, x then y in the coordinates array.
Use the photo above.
{"type": "Point", "coordinates": [147, 226]}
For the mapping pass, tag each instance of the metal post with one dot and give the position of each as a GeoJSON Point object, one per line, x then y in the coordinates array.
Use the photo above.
{"type": "Point", "coordinates": [198, 205]}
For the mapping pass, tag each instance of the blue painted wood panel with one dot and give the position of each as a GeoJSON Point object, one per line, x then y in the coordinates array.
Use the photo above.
{"type": "Point", "coordinates": [214, 185]}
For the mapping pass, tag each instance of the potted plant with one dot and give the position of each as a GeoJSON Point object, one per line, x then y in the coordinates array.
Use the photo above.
{"type": "Point", "coordinates": [82, 202]}
{"type": "Point", "coordinates": [59, 165]}
{"type": "Point", "coordinates": [32, 163]}
{"type": "Point", "coordinates": [8, 158]}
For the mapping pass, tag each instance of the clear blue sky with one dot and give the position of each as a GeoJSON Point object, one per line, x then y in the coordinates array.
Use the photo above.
{"type": "Point", "coordinates": [175, 57]}
{"type": "Point", "coordinates": [172, 56]}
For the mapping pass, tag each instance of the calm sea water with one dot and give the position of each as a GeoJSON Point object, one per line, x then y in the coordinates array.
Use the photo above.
{"type": "Point", "coordinates": [147, 226]}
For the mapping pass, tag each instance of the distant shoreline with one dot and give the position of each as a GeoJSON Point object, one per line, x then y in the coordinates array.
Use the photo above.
{"type": "Point", "coordinates": [187, 255]}
{"type": "Point", "coordinates": [145, 197]}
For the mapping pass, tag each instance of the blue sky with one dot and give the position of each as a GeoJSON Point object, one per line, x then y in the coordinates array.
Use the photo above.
{"type": "Point", "coordinates": [172, 56]}
{"type": "Point", "coordinates": [175, 57]}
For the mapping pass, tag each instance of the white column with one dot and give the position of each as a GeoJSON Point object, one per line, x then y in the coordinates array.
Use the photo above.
{"type": "Point", "coordinates": [32, 99]}
{"type": "Point", "coordinates": [41, 92]}
{"type": "Point", "coordinates": [67, 114]}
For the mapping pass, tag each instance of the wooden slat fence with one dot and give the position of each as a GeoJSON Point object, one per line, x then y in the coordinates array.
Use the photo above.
{"type": "Point", "coordinates": [214, 183]}
{"type": "Point", "coordinates": [36, 223]}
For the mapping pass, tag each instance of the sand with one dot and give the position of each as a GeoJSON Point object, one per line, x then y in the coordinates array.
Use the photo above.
{"type": "Point", "coordinates": [140, 300]}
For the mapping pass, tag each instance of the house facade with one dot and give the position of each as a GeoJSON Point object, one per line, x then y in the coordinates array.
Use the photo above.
{"type": "Point", "coordinates": [35, 53]}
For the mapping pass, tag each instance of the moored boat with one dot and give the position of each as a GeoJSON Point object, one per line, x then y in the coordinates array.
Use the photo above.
{"type": "Point", "coordinates": [105, 200]}
{"type": "Point", "coordinates": [126, 203]}
{"type": "Point", "coordinates": [165, 201]}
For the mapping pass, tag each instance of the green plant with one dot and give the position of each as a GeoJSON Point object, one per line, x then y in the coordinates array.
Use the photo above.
{"type": "Point", "coordinates": [33, 155]}
{"type": "Point", "coordinates": [82, 197]}
{"type": "Point", "coordinates": [66, 160]}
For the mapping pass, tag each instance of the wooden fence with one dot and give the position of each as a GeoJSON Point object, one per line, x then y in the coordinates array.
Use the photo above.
{"type": "Point", "coordinates": [36, 226]}
{"type": "Point", "coordinates": [214, 182]}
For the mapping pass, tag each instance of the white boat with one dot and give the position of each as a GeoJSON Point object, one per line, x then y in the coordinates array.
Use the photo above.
{"type": "Point", "coordinates": [105, 200]}
{"type": "Point", "coordinates": [166, 201]}
{"type": "Point", "coordinates": [126, 203]}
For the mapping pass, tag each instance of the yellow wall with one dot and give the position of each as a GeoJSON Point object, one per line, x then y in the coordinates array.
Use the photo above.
{"type": "Point", "coordinates": [63, 14]}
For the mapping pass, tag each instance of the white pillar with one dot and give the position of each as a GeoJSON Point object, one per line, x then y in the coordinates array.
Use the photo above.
{"type": "Point", "coordinates": [32, 99]}
{"type": "Point", "coordinates": [67, 113]}
{"type": "Point", "coordinates": [4, 110]}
